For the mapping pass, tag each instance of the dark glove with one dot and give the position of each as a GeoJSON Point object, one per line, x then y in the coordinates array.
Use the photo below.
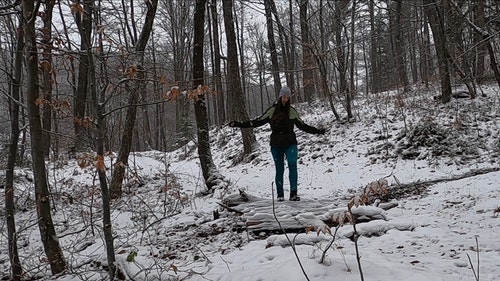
{"type": "Point", "coordinates": [234, 124]}
{"type": "Point", "coordinates": [321, 131]}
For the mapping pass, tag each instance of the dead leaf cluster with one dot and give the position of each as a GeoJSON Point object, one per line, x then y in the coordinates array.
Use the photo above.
{"type": "Point", "coordinates": [60, 107]}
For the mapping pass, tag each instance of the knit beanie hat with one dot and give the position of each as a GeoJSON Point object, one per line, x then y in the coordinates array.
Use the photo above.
{"type": "Point", "coordinates": [285, 91]}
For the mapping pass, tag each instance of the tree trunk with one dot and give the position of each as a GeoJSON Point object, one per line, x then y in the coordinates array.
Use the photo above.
{"type": "Point", "coordinates": [234, 80]}
{"type": "Point", "coordinates": [288, 45]}
{"type": "Point", "coordinates": [458, 56]}
{"type": "Point", "coordinates": [287, 49]}
{"type": "Point", "coordinates": [84, 24]}
{"type": "Point", "coordinates": [275, 69]}
{"type": "Point", "coordinates": [487, 41]}
{"type": "Point", "coordinates": [340, 6]}
{"type": "Point", "coordinates": [100, 140]}
{"type": "Point", "coordinates": [47, 73]}
{"type": "Point", "coordinates": [221, 108]}
{"type": "Point", "coordinates": [493, 60]}
{"type": "Point", "coordinates": [126, 140]}
{"type": "Point", "coordinates": [352, 89]}
{"type": "Point", "coordinates": [481, 50]}
{"type": "Point", "coordinates": [208, 168]}
{"type": "Point", "coordinates": [399, 47]}
{"type": "Point", "coordinates": [324, 86]}
{"type": "Point", "coordinates": [240, 44]}
{"type": "Point", "coordinates": [47, 232]}
{"type": "Point", "coordinates": [426, 64]}
{"type": "Point", "coordinates": [103, 182]}
{"type": "Point", "coordinates": [436, 21]}
{"type": "Point", "coordinates": [15, 264]}
{"type": "Point", "coordinates": [375, 80]}
{"type": "Point", "coordinates": [307, 56]}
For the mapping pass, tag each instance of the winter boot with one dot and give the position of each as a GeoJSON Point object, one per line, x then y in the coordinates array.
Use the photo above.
{"type": "Point", "coordinates": [294, 196]}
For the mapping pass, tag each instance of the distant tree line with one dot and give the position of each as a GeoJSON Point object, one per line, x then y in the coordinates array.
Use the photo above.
{"type": "Point", "coordinates": [121, 76]}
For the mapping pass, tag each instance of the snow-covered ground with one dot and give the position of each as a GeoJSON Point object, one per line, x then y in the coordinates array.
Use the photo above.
{"type": "Point", "coordinates": [165, 229]}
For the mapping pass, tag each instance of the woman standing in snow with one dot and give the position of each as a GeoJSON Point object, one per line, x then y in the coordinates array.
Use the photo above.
{"type": "Point", "coordinates": [282, 117]}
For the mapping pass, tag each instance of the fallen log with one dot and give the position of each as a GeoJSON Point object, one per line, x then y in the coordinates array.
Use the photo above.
{"type": "Point", "coordinates": [263, 216]}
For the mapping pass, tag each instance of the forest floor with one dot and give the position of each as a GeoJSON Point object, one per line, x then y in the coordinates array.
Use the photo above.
{"type": "Point", "coordinates": [441, 164]}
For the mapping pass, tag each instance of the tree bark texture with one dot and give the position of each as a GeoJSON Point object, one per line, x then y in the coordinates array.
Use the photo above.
{"type": "Point", "coordinates": [204, 153]}
{"type": "Point", "coordinates": [436, 20]}
{"type": "Point", "coordinates": [374, 73]}
{"type": "Point", "coordinates": [221, 109]}
{"type": "Point", "coordinates": [308, 65]}
{"type": "Point", "coordinates": [106, 204]}
{"type": "Point", "coordinates": [47, 73]}
{"type": "Point", "coordinates": [47, 232]}
{"type": "Point", "coordinates": [272, 47]}
{"type": "Point", "coordinates": [238, 110]}
{"type": "Point", "coordinates": [84, 24]}
{"type": "Point", "coordinates": [131, 115]}
{"type": "Point", "coordinates": [399, 46]}
{"type": "Point", "coordinates": [481, 49]}
{"type": "Point", "coordinates": [15, 264]}
{"type": "Point", "coordinates": [340, 51]}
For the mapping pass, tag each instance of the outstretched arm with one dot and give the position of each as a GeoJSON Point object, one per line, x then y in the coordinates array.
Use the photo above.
{"type": "Point", "coordinates": [303, 126]}
{"type": "Point", "coordinates": [307, 128]}
{"type": "Point", "coordinates": [263, 119]}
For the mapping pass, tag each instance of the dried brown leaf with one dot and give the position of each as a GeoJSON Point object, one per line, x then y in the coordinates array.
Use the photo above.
{"type": "Point", "coordinates": [341, 218]}
{"type": "Point", "coordinates": [357, 201]}
{"type": "Point", "coordinates": [350, 204]}
{"type": "Point", "coordinates": [40, 101]}
{"type": "Point", "coordinates": [99, 163]}
{"type": "Point", "coordinates": [163, 80]}
{"type": "Point", "coordinates": [45, 65]}
{"type": "Point", "coordinates": [310, 228]}
{"type": "Point", "coordinates": [101, 29]}
{"type": "Point", "coordinates": [131, 72]}
{"type": "Point", "coordinates": [335, 218]}
{"type": "Point", "coordinates": [323, 229]}
{"type": "Point", "coordinates": [77, 8]}
{"type": "Point", "coordinates": [66, 104]}
{"type": "Point", "coordinates": [350, 218]}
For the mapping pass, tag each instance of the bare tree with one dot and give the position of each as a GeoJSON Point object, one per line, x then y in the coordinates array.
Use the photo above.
{"type": "Point", "coordinates": [126, 140]}
{"type": "Point", "coordinates": [352, 54]}
{"type": "Point", "coordinates": [308, 64]}
{"type": "Point", "coordinates": [340, 9]}
{"type": "Point", "coordinates": [238, 109]}
{"type": "Point", "coordinates": [14, 104]}
{"type": "Point", "coordinates": [83, 19]}
{"type": "Point", "coordinates": [486, 40]}
{"type": "Point", "coordinates": [217, 73]}
{"type": "Point", "coordinates": [272, 46]}
{"type": "Point", "coordinates": [436, 16]}
{"type": "Point", "coordinates": [288, 47]}
{"type": "Point", "coordinates": [47, 74]}
{"type": "Point", "coordinates": [480, 50]}
{"type": "Point", "coordinates": [426, 63]}
{"type": "Point", "coordinates": [179, 31]}
{"type": "Point", "coordinates": [99, 104]}
{"type": "Point", "coordinates": [47, 232]}
{"type": "Point", "coordinates": [209, 171]}
{"type": "Point", "coordinates": [374, 72]}
{"type": "Point", "coordinates": [399, 45]}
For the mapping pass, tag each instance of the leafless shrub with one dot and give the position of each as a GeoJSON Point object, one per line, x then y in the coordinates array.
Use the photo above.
{"type": "Point", "coordinates": [428, 139]}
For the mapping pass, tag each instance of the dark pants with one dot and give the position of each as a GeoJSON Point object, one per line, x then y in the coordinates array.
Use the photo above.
{"type": "Point", "coordinates": [279, 153]}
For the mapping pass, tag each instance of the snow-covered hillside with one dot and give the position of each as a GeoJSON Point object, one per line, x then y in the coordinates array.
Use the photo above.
{"type": "Point", "coordinates": [165, 227]}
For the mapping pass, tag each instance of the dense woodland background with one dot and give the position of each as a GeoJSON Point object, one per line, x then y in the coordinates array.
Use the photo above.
{"type": "Point", "coordinates": [86, 77]}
